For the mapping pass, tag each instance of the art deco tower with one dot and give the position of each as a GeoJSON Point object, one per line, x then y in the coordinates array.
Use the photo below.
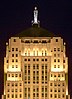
{"type": "Point", "coordinates": [36, 65]}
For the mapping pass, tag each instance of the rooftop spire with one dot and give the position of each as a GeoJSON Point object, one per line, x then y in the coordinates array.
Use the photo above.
{"type": "Point", "coordinates": [35, 21]}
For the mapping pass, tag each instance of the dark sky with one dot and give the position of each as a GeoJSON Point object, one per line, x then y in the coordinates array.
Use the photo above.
{"type": "Point", "coordinates": [54, 15]}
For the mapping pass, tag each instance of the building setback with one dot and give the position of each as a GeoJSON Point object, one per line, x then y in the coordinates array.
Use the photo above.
{"type": "Point", "coordinates": [36, 65]}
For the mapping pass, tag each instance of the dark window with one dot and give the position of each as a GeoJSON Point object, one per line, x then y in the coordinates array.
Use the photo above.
{"type": "Point", "coordinates": [14, 40]}
{"type": "Point", "coordinates": [25, 59]}
{"type": "Point", "coordinates": [28, 59]}
{"type": "Point", "coordinates": [56, 40]}
{"type": "Point", "coordinates": [33, 59]}
{"type": "Point", "coordinates": [12, 49]}
{"type": "Point", "coordinates": [16, 55]}
{"type": "Point", "coordinates": [16, 49]}
{"type": "Point", "coordinates": [42, 59]}
{"type": "Point", "coordinates": [45, 59]}
{"type": "Point", "coordinates": [37, 59]}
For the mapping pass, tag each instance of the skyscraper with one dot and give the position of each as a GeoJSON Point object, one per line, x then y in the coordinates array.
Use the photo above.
{"type": "Point", "coordinates": [36, 65]}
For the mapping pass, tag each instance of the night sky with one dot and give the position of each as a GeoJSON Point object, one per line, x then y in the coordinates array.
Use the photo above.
{"type": "Point", "coordinates": [54, 15]}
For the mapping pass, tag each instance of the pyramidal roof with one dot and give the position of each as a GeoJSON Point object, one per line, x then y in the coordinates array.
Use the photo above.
{"type": "Point", "coordinates": [35, 30]}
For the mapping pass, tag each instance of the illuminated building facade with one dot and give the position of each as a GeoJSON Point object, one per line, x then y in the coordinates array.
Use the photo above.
{"type": "Point", "coordinates": [36, 65]}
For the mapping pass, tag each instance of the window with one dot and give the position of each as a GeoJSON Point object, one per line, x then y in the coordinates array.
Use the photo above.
{"type": "Point", "coordinates": [63, 84]}
{"type": "Point", "coordinates": [12, 90]}
{"type": "Point", "coordinates": [15, 95]}
{"type": "Point", "coordinates": [58, 90]}
{"type": "Point", "coordinates": [12, 75]}
{"type": "Point", "coordinates": [12, 55]}
{"type": "Point", "coordinates": [12, 84]}
{"type": "Point", "coordinates": [58, 95]}
{"type": "Point", "coordinates": [16, 49]}
{"type": "Point", "coordinates": [16, 90]}
{"type": "Point", "coordinates": [58, 66]}
{"type": "Point", "coordinates": [14, 40]}
{"type": "Point", "coordinates": [54, 49]}
{"type": "Point", "coordinates": [58, 49]}
{"type": "Point", "coordinates": [54, 55]}
{"type": "Point", "coordinates": [20, 95]}
{"type": "Point", "coordinates": [8, 90]}
{"type": "Point", "coordinates": [58, 55]}
{"type": "Point", "coordinates": [42, 94]}
{"type": "Point", "coordinates": [45, 59]}
{"type": "Point", "coordinates": [19, 75]}
{"type": "Point", "coordinates": [64, 66]}
{"type": "Point", "coordinates": [12, 60]}
{"type": "Point", "coordinates": [28, 59]}
{"type": "Point", "coordinates": [42, 59]}
{"type": "Point", "coordinates": [20, 90]}
{"type": "Point", "coordinates": [58, 75]}
{"type": "Point", "coordinates": [25, 59]}
{"type": "Point", "coordinates": [16, 60]}
{"type": "Point", "coordinates": [50, 95]}
{"type": "Point", "coordinates": [16, 75]}
{"type": "Point", "coordinates": [54, 66]}
{"type": "Point", "coordinates": [16, 55]}
{"type": "Point", "coordinates": [55, 90]}
{"type": "Point", "coordinates": [8, 75]}
{"type": "Point", "coordinates": [37, 59]}
{"type": "Point", "coordinates": [50, 90]}
{"type": "Point", "coordinates": [51, 75]}
{"type": "Point", "coordinates": [16, 66]}
{"type": "Point", "coordinates": [12, 66]}
{"type": "Point", "coordinates": [16, 84]}
{"type": "Point", "coordinates": [50, 84]}
{"type": "Point", "coordinates": [37, 66]}
{"type": "Point", "coordinates": [54, 60]}
{"type": "Point", "coordinates": [56, 40]}
{"type": "Point", "coordinates": [63, 95]}
{"type": "Point", "coordinates": [33, 59]}
{"type": "Point", "coordinates": [8, 95]}
{"type": "Point", "coordinates": [58, 60]}
{"type": "Point", "coordinates": [63, 61]}
{"type": "Point", "coordinates": [55, 95]}
{"type": "Point", "coordinates": [20, 84]}
{"type": "Point", "coordinates": [37, 94]}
